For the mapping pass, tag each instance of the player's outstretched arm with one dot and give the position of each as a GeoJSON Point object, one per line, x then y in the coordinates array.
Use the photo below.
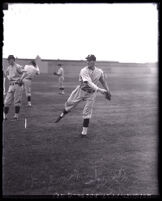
{"type": "Point", "coordinates": [23, 75]}
{"type": "Point", "coordinates": [54, 73]}
{"type": "Point", "coordinates": [105, 86]}
{"type": "Point", "coordinates": [38, 70]}
{"type": "Point", "coordinates": [104, 83]}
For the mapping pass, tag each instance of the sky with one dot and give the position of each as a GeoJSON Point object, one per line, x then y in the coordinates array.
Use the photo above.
{"type": "Point", "coordinates": [112, 32]}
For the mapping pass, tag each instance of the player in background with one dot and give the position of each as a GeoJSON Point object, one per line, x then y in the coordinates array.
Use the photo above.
{"type": "Point", "coordinates": [30, 71]}
{"type": "Point", "coordinates": [60, 74]}
{"type": "Point", "coordinates": [13, 73]}
{"type": "Point", "coordinates": [4, 84]}
{"type": "Point", "coordinates": [89, 78]}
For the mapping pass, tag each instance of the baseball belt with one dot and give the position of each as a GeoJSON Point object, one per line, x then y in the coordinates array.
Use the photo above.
{"type": "Point", "coordinates": [13, 83]}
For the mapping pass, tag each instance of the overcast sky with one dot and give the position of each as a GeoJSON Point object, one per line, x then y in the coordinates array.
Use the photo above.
{"type": "Point", "coordinates": [113, 32]}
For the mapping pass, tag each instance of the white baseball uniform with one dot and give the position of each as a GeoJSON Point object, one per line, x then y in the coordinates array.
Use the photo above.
{"type": "Point", "coordinates": [78, 94]}
{"type": "Point", "coordinates": [13, 74]}
{"type": "Point", "coordinates": [60, 72]}
{"type": "Point", "coordinates": [31, 72]}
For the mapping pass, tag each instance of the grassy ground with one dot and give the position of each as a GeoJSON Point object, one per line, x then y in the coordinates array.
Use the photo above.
{"type": "Point", "coordinates": [119, 155]}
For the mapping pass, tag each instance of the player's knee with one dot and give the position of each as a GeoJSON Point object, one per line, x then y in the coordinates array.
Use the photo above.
{"type": "Point", "coordinates": [28, 94]}
{"type": "Point", "coordinates": [87, 116]}
{"type": "Point", "coordinates": [7, 103]}
{"type": "Point", "coordinates": [17, 103]}
{"type": "Point", "coordinates": [68, 103]}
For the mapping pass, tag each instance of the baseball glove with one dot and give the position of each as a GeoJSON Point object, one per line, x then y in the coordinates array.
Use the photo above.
{"type": "Point", "coordinates": [19, 82]}
{"type": "Point", "coordinates": [107, 95]}
{"type": "Point", "coordinates": [87, 89]}
{"type": "Point", "coordinates": [55, 73]}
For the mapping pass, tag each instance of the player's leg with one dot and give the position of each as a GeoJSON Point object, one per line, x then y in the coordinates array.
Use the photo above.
{"type": "Point", "coordinates": [4, 86]}
{"type": "Point", "coordinates": [73, 100]}
{"type": "Point", "coordinates": [87, 114]}
{"type": "Point", "coordinates": [29, 92]}
{"type": "Point", "coordinates": [61, 86]}
{"type": "Point", "coordinates": [85, 126]}
{"type": "Point", "coordinates": [27, 87]}
{"type": "Point", "coordinates": [17, 100]}
{"type": "Point", "coordinates": [8, 101]}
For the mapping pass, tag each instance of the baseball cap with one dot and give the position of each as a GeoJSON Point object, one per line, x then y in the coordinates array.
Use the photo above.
{"type": "Point", "coordinates": [59, 65]}
{"type": "Point", "coordinates": [33, 63]}
{"type": "Point", "coordinates": [91, 57]}
{"type": "Point", "coordinates": [11, 57]}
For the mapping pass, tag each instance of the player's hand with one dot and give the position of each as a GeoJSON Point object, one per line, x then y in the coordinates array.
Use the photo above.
{"type": "Point", "coordinates": [19, 82]}
{"type": "Point", "coordinates": [108, 95]}
{"type": "Point", "coordinates": [102, 91]}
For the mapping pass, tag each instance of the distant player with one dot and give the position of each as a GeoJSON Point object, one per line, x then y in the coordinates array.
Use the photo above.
{"type": "Point", "coordinates": [87, 91]}
{"type": "Point", "coordinates": [4, 84]}
{"type": "Point", "coordinates": [60, 74]}
{"type": "Point", "coordinates": [13, 73]}
{"type": "Point", "coordinates": [31, 71]}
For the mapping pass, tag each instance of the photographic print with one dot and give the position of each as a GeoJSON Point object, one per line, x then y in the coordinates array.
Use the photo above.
{"type": "Point", "coordinates": [80, 94]}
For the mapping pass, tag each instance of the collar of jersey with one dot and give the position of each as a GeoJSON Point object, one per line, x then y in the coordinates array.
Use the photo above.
{"type": "Point", "coordinates": [91, 69]}
{"type": "Point", "coordinates": [13, 65]}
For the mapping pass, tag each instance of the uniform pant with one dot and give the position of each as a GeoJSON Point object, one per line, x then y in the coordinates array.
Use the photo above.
{"type": "Point", "coordinates": [79, 95]}
{"type": "Point", "coordinates": [4, 87]}
{"type": "Point", "coordinates": [61, 82]}
{"type": "Point", "coordinates": [27, 86]}
{"type": "Point", "coordinates": [14, 91]}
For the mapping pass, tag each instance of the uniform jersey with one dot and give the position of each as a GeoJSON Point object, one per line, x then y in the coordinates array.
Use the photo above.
{"type": "Point", "coordinates": [31, 71]}
{"type": "Point", "coordinates": [14, 72]}
{"type": "Point", "coordinates": [89, 75]}
{"type": "Point", "coordinates": [60, 72]}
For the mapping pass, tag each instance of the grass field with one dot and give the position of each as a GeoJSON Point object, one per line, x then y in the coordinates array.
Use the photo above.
{"type": "Point", "coordinates": [119, 155]}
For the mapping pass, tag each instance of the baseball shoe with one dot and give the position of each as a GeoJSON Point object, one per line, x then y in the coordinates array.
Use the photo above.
{"type": "Point", "coordinates": [16, 117]}
{"type": "Point", "coordinates": [61, 93]}
{"type": "Point", "coordinates": [58, 119]}
{"type": "Point", "coordinates": [29, 104]}
{"type": "Point", "coordinates": [61, 116]}
{"type": "Point", "coordinates": [4, 116]}
{"type": "Point", "coordinates": [83, 134]}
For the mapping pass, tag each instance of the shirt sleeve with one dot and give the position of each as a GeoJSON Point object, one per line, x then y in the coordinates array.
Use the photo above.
{"type": "Point", "coordinates": [86, 78]}
{"type": "Point", "coordinates": [4, 71]}
{"type": "Point", "coordinates": [7, 71]}
{"type": "Point", "coordinates": [20, 69]}
{"type": "Point", "coordinates": [59, 72]}
{"type": "Point", "coordinates": [102, 74]}
{"type": "Point", "coordinates": [38, 70]}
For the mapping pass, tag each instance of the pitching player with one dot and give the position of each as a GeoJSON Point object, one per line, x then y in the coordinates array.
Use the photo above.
{"type": "Point", "coordinates": [30, 71]}
{"type": "Point", "coordinates": [13, 73]}
{"type": "Point", "coordinates": [60, 74]}
{"type": "Point", "coordinates": [89, 78]}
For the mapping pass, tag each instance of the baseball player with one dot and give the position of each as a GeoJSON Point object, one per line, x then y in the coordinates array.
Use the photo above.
{"type": "Point", "coordinates": [30, 71]}
{"type": "Point", "coordinates": [60, 74]}
{"type": "Point", "coordinates": [4, 83]}
{"type": "Point", "coordinates": [86, 91]}
{"type": "Point", "coordinates": [13, 73]}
